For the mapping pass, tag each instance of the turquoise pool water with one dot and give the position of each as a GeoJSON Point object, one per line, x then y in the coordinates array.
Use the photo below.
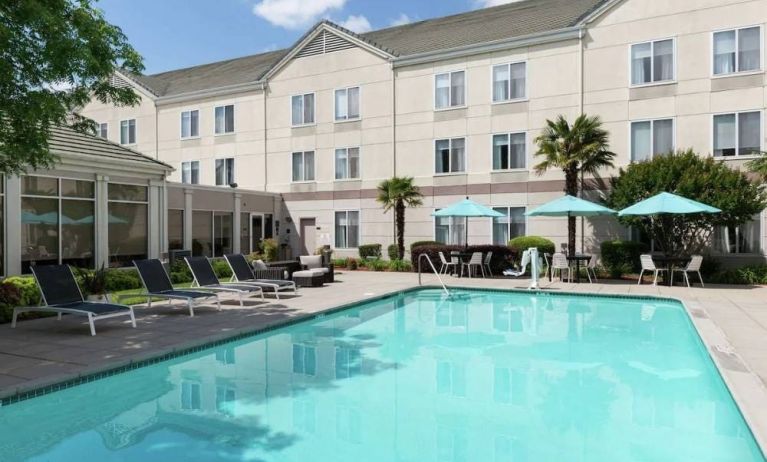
{"type": "Point", "coordinates": [483, 376]}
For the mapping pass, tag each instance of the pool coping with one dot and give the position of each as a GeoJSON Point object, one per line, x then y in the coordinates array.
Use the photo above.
{"type": "Point", "coordinates": [745, 386]}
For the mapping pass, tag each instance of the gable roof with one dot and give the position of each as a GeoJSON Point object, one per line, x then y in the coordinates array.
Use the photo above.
{"type": "Point", "coordinates": [473, 28]}
{"type": "Point", "coordinates": [64, 141]}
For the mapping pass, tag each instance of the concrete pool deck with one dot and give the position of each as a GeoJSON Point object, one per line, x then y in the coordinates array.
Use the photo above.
{"type": "Point", "coordinates": [732, 321]}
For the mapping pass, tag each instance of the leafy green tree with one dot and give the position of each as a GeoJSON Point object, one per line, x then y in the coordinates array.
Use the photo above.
{"type": "Point", "coordinates": [398, 193]}
{"type": "Point", "coordinates": [55, 55]}
{"type": "Point", "coordinates": [689, 175]}
{"type": "Point", "coordinates": [759, 166]}
{"type": "Point", "coordinates": [582, 147]}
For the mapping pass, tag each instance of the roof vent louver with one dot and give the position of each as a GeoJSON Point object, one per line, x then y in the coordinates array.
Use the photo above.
{"type": "Point", "coordinates": [323, 43]}
{"type": "Point", "coordinates": [118, 82]}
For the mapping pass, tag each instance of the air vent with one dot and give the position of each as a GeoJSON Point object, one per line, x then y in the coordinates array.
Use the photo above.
{"type": "Point", "coordinates": [118, 82]}
{"type": "Point", "coordinates": [324, 43]}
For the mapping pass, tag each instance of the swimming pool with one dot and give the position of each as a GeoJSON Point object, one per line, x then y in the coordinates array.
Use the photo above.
{"type": "Point", "coordinates": [482, 376]}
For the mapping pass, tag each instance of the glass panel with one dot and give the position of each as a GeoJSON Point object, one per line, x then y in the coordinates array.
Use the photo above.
{"type": "Point", "coordinates": [298, 166]}
{"type": "Point", "coordinates": [186, 124]}
{"type": "Point", "coordinates": [724, 52]}
{"type": "Point", "coordinates": [186, 172]}
{"type": "Point", "coordinates": [195, 123]}
{"type": "Point", "coordinates": [749, 130]}
{"type": "Point", "coordinates": [663, 136]}
{"type": "Point", "coordinates": [341, 105]}
{"type": "Point", "coordinates": [220, 120]}
{"type": "Point", "coordinates": [39, 186]}
{"type": "Point", "coordinates": [124, 132]}
{"type": "Point", "coordinates": [517, 222]}
{"type": "Point", "coordinates": [518, 156]}
{"type": "Point", "coordinates": [354, 162]}
{"type": "Point", "coordinates": [457, 88]}
{"type": "Point", "coordinates": [457, 230]}
{"type": "Point", "coordinates": [500, 152]}
{"type": "Point", "coordinates": [77, 188]}
{"type": "Point", "coordinates": [127, 192]}
{"type": "Point", "coordinates": [175, 229]}
{"type": "Point", "coordinates": [309, 109]}
{"type": "Point", "coordinates": [641, 63]}
{"type": "Point", "coordinates": [341, 230]}
{"type": "Point", "coordinates": [354, 102]}
{"type": "Point", "coordinates": [297, 110]}
{"type": "Point", "coordinates": [195, 172]}
{"type": "Point", "coordinates": [222, 233]}
{"type": "Point", "coordinates": [457, 155]}
{"type": "Point", "coordinates": [341, 164]}
{"type": "Point", "coordinates": [268, 226]}
{"type": "Point", "coordinates": [127, 233]}
{"type": "Point", "coordinates": [104, 130]}
{"type": "Point", "coordinates": [724, 135]}
{"type": "Point", "coordinates": [77, 233]}
{"type": "Point", "coordinates": [501, 227]}
{"type": "Point", "coordinates": [229, 111]}
{"type": "Point", "coordinates": [230, 171]}
{"type": "Point", "coordinates": [257, 224]}
{"type": "Point", "coordinates": [245, 244]}
{"type": "Point", "coordinates": [501, 82]}
{"type": "Point", "coordinates": [518, 77]}
{"type": "Point", "coordinates": [442, 91]}
{"type": "Point", "coordinates": [442, 229]}
{"type": "Point", "coordinates": [354, 229]}
{"type": "Point", "coordinates": [309, 166]}
{"type": "Point", "coordinates": [220, 172]}
{"type": "Point", "coordinates": [442, 156]}
{"type": "Point", "coordinates": [39, 232]}
{"type": "Point", "coordinates": [749, 52]}
{"type": "Point", "coordinates": [640, 141]}
{"type": "Point", "coordinates": [202, 233]}
{"type": "Point", "coordinates": [663, 68]}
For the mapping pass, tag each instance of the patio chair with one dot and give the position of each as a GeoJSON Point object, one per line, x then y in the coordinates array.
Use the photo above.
{"type": "Point", "coordinates": [243, 273]}
{"type": "Point", "coordinates": [486, 263]}
{"type": "Point", "coordinates": [314, 263]}
{"type": "Point", "coordinates": [474, 262]}
{"type": "Point", "coordinates": [649, 265]}
{"type": "Point", "coordinates": [205, 279]}
{"type": "Point", "coordinates": [692, 267]}
{"type": "Point", "coordinates": [62, 295]}
{"type": "Point", "coordinates": [591, 269]}
{"type": "Point", "coordinates": [158, 285]}
{"type": "Point", "coordinates": [262, 271]}
{"type": "Point", "coordinates": [445, 264]}
{"type": "Point", "coordinates": [559, 262]}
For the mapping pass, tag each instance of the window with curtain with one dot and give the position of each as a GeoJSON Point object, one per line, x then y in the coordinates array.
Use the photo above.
{"type": "Point", "coordinates": [738, 50]}
{"type": "Point", "coordinates": [450, 90]}
{"type": "Point", "coordinates": [509, 82]}
{"type": "Point", "coordinates": [175, 229]}
{"type": "Point", "coordinates": [222, 233]}
{"type": "Point", "coordinates": [450, 230]}
{"type": "Point", "coordinates": [509, 151]}
{"type": "Point", "coordinates": [128, 131]}
{"type": "Point", "coordinates": [104, 130]}
{"type": "Point", "coordinates": [224, 119]}
{"type": "Point", "coordinates": [347, 104]}
{"type": "Point", "coordinates": [652, 62]}
{"type": "Point", "coordinates": [450, 155]}
{"type": "Point", "coordinates": [511, 225]}
{"type": "Point", "coordinates": [743, 239]}
{"type": "Point", "coordinates": [128, 223]}
{"type": "Point", "coordinates": [190, 172]}
{"type": "Point", "coordinates": [302, 109]}
{"type": "Point", "coordinates": [347, 228]}
{"type": "Point", "coordinates": [225, 171]}
{"type": "Point", "coordinates": [303, 166]}
{"type": "Point", "coordinates": [347, 163]}
{"type": "Point", "coordinates": [190, 124]}
{"type": "Point", "coordinates": [651, 138]}
{"type": "Point", "coordinates": [737, 134]}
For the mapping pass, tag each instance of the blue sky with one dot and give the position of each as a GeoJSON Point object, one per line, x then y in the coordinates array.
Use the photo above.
{"type": "Point", "coordinates": [172, 34]}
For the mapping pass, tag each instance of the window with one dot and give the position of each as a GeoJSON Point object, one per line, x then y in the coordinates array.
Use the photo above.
{"type": "Point", "coordinates": [347, 362]}
{"type": "Point", "coordinates": [739, 239]}
{"type": "Point", "coordinates": [738, 50]}
{"type": "Point", "coordinates": [103, 131]}
{"type": "Point", "coordinates": [347, 163]}
{"type": "Point", "coordinates": [303, 166]}
{"type": "Point", "coordinates": [190, 172]}
{"type": "Point", "coordinates": [58, 222]}
{"type": "Point", "coordinates": [450, 230]}
{"type": "Point", "coordinates": [202, 233]}
{"type": "Point", "coordinates": [652, 62]}
{"type": "Point", "coordinates": [191, 397]}
{"type": "Point", "coordinates": [128, 131]}
{"type": "Point", "coordinates": [511, 225]}
{"type": "Point", "coordinates": [175, 229]}
{"type": "Point", "coordinates": [304, 359]}
{"type": "Point", "coordinates": [224, 119]}
{"type": "Point", "coordinates": [226, 399]}
{"type": "Point", "coordinates": [224, 171]}
{"type": "Point", "coordinates": [451, 379]}
{"type": "Point", "coordinates": [737, 134]}
{"type": "Point", "coordinates": [348, 103]}
{"type": "Point", "coordinates": [449, 155]}
{"type": "Point", "coordinates": [128, 223]}
{"type": "Point", "coordinates": [302, 109]}
{"type": "Point", "coordinates": [451, 315]}
{"type": "Point", "coordinates": [347, 229]}
{"type": "Point", "coordinates": [222, 233]}
{"type": "Point", "coordinates": [190, 123]}
{"type": "Point", "coordinates": [509, 82]}
{"type": "Point", "coordinates": [449, 90]}
{"type": "Point", "coordinates": [509, 151]}
{"type": "Point", "coordinates": [226, 356]}
{"type": "Point", "coordinates": [651, 138]}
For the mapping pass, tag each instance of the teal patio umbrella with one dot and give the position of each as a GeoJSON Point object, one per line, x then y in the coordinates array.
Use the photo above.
{"type": "Point", "coordinates": [667, 203]}
{"type": "Point", "coordinates": [467, 208]}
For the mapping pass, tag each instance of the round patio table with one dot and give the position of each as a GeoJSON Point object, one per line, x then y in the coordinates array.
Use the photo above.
{"type": "Point", "coordinates": [669, 263]}
{"type": "Point", "coordinates": [577, 259]}
{"type": "Point", "coordinates": [463, 257]}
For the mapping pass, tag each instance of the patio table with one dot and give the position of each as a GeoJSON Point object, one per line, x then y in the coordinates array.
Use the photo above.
{"type": "Point", "coordinates": [463, 257]}
{"type": "Point", "coordinates": [669, 263]}
{"type": "Point", "coordinates": [577, 259]}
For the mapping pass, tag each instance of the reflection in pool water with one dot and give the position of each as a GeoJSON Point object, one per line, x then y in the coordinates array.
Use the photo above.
{"type": "Point", "coordinates": [484, 376]}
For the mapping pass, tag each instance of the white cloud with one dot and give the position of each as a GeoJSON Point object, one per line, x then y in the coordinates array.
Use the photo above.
{"type": "Point", "coordinates": [400, 20]}
{"type": "Point", "coordinates": [295, 14]}
{"type": "Point", "coordinates": [356, 23]}
{"type": "Point", "coordinates": [489, 3]}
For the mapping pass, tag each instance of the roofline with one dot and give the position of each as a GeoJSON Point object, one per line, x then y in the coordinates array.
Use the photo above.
{"type": "Point", "coordinates": [598, 11]}
{"type": "Point", "coordinates": [137, 85]}
{"type": "Point", "coordinates": [212, 92]}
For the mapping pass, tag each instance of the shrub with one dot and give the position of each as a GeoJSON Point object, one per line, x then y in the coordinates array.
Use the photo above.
{"type": "Point", "coordinates": [393, 252]}
{"type": "Point", "coordinates": [180, 273]}
{"type": "Point", "coordinates": [378, 265]}
{"type": "Point", "coordinates": [351, 264]}
{"type": "Point", "coordinates": [622, 257]}
{"type": "Point", "coordinates": [10, 296]}
{"type": "Point", "coordinates": [221, 268]}
{"type": "Point", "coordinates": [746, 275]}
{"type": "Point", "coordinates": [121, 279]}
{"type": "Point", "coordinates": [339, 262]}
{"type": "Point", "coordinates": [30, 293]}
{"type": "Point", "coordinates": [522, 243]}
{"type": "Point", "coordinates": [501, 260]}
{"type": "Point", "coordinates": [422, 243]}
{"type": "Point", "coordinates": [400, 265]}
{"type": "Point", "coordinates": [271, 249]}
{"type": "Point", "coordinates": [369, 251]}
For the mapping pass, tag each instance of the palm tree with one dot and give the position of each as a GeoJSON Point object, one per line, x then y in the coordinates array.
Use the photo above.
{"type": "Point", "coordinates": [397, 193]}
{"type": "Point", "coordinates": [579, 148]}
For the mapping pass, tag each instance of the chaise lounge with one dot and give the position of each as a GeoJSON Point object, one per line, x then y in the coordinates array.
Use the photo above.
{"type": "Point", "coordinates": [243, 273]}
{"type": "Point", "coordinates": [205, 279]}
{"type": "Point", "coordinates": [158, 285]}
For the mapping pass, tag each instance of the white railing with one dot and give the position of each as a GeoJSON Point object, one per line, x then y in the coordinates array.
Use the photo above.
{"type": "Point", "coordinates": [436, 273]}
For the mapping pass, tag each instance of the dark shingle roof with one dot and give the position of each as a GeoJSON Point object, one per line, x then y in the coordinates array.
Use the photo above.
{"type": "Point", "coordinates": [65, 141]}
{"type": "Point", "coordinates": [476, 27]}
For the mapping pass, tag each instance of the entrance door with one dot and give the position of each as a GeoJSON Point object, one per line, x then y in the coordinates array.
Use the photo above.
{"type": "Point", "coordinates": [308, 236]}
{"type": "Point", "coordinates": [256, 231]}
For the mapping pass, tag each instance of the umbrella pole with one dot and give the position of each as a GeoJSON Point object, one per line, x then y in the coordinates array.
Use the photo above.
{"type": "Point", "coordinates": [466, 237]}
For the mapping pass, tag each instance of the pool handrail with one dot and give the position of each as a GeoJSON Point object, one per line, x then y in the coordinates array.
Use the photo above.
{"type": "Point", "coordinates": [420, 258]}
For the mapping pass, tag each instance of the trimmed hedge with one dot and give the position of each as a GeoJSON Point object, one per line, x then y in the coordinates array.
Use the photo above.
{"type": "Point", "coordinates": [501, 260]}
{"type": "Point", "coordinates": [522, 243]}
{"type": "Point", "coordinates": [422, 243]}
{"type": "Point", "coordinates": [369, 250]}
{"type": "Point", "coordinates": [746, 275]}
{"type": "Point", "coordinates": [393, 252]}
{"type": "Point", "coordinates": [122, 279]}
{"type": "Point", "coordinates": [622, 257]}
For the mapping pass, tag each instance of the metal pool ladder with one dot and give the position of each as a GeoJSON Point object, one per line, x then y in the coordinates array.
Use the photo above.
{"type": "Point", "coordinates": [420, 258]}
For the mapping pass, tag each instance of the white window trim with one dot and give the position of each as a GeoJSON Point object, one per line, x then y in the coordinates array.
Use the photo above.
{"type": "Point", "coordinates": [465, 155]}
{"type": "Point", "coordinates": [652, 134]}
{"type": "Point", "coordinates": [737, 49]}
{"type": "Point", "coordinates": [135, 131]}
{"type": "Point", "coordinates": [359, 164]}
{"type": "Point", "coordinates": [224, 158]}
{"type": "Point", "coordinates": [199, 170]}
{"type": "Point", "coordinates": [346, 120]}
{"type": "Point", "coordinates": [527, 218]}
{"type": "Point", "coordinates": [526, 168]}
{"type": "Point", "coordinates": [672, 81]}
{"type": "Point", "coordinates": [465, 90]}
{"type": "Point", "coordinates": [181, 124]}
{"type": "Point", "coordinates": [303, 161]}
{"type": "Point", "coordinates": [314, 102]}
{"type": "Point", "coordinates": [214, 120]}
{"type": "Point", "coordinates": [527, 81]}
{"type": "Point", "coordinates": [359, 227]}
{"type": "Point", "coordinates": [737, 135]}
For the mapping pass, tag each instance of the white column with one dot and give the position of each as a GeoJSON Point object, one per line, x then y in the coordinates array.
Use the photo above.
{"type": "Point", "coordinates": [237, 223]}
{"type": "Point", "coordinates": [156, 223]}
{"type": "Point", "coordinates": [101, 244]}
{"type": "Point", "coordinates": [12, 225]}
{"type": "Point", "coordinates": [188, 195]}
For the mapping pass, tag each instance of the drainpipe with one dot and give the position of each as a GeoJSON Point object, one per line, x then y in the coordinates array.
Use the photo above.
{"type": "Point", "coordinates": [156, 132]}
{"type": "Point", "coordinates": [266, 164]}
{"type": "Point", "coordinates": [394, 139]}
{"type": "Point", "coordinates": [580, 111]}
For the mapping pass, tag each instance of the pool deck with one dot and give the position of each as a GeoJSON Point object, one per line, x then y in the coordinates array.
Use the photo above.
{"type": "Point", "coordinates": [732, 321]}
